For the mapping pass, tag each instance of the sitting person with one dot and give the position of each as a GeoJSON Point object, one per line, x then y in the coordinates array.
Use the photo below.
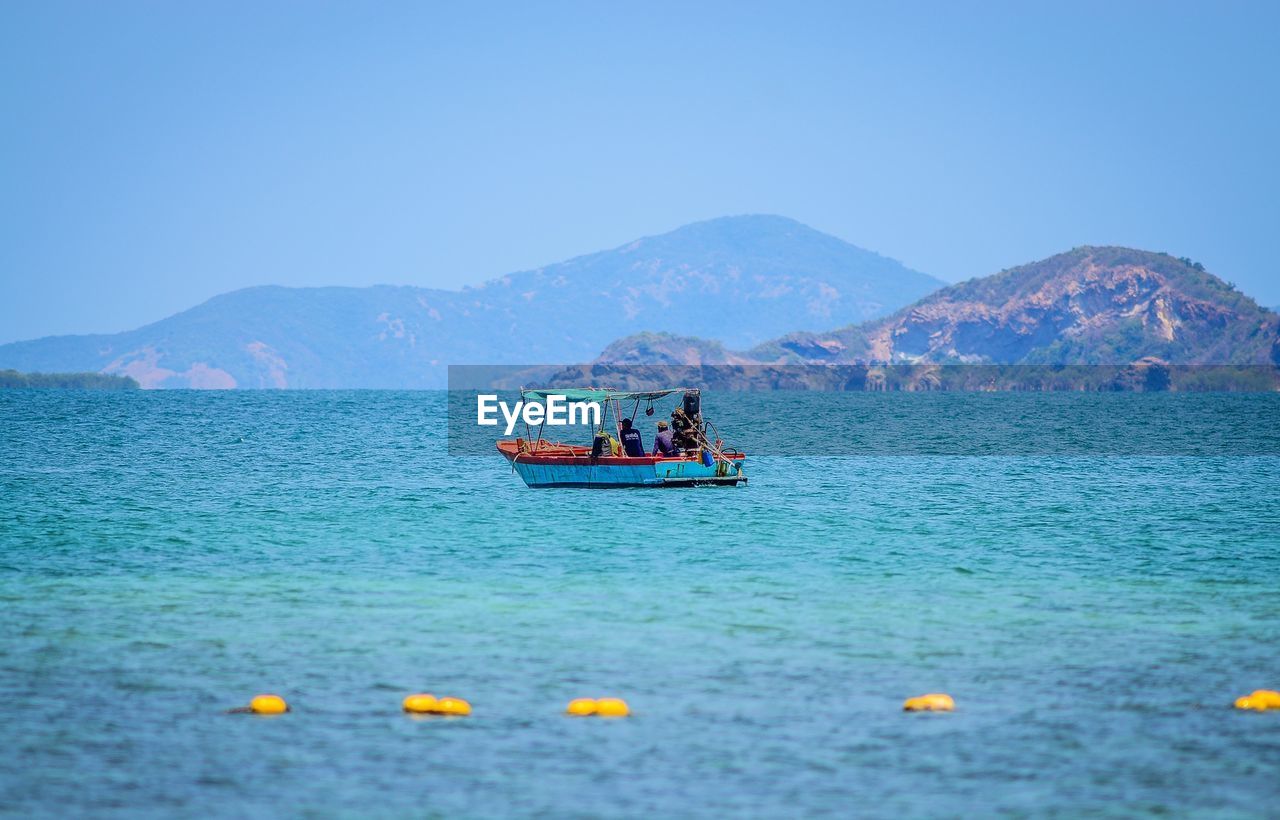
{"type": "Point", "coordinates": [632, 443]}
{"type": "Point", "coordinates": [664, 443]}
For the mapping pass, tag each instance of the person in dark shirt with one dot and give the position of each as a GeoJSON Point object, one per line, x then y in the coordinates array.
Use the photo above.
{"type": "Point", "coordinates": [632, 444]}
{"type": "Point", "coordinates": [664, 443]}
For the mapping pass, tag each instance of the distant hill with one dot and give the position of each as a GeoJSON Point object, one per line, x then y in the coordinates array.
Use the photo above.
{"type": "Point", "coordinates": [1091, 305]}
{"type": "Point", "coordinates": [669, 348]}
{"type": "Point", "coordinates": [739, 280]}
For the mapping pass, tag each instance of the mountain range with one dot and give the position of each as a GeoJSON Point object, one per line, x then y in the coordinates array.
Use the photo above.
{"type": "Point", "coordinates": [1091, 305]}
{"type": "Point", "coordinates": [738, 290]}
{"type": "Point", "coordinates": [742, 280]}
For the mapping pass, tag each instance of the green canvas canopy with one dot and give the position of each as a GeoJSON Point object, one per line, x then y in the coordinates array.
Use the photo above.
{"type": "Point", "coordinates": [599, 394]}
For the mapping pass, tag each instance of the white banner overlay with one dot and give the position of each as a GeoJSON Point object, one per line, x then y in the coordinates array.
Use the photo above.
{"type": "Point", "coordinates": [557, 411]}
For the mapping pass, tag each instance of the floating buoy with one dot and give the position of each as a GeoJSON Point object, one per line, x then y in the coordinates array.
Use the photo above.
{"type": "Point", "coordinates": [612, 707]}
{"type": "Point", "coordinates": [935, 702]}
{"type": "Point", "coordinates": [268, 705]}
{"type": "Point", "coordinates": [582, 707]}
{"type": "Point", "coordinates": [452, 706]}
{"type": "Point", "coordinates": [1260, 700]}
{"type": "Point", "coordinates": [420, 703]}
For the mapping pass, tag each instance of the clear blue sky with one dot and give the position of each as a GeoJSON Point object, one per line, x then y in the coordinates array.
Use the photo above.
{"type": "Point", "coordinates": [155, 154]}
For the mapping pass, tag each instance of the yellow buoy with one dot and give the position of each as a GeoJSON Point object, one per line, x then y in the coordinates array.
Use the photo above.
{"type": "Point", "coordinates": [268, 705]}
{"type": "Point", "coordinates": [612, 707]}
{"type": "Point", "coordinates": [582, 707]}
{"type": "Point", "coordinates": [1269, 698]}
{"type": "Point", "coordinates": [934, 702]}
{"type": "Point", "coordinates": [420, 703]}
{"type": "Point", "coordinates": [1260, 700]}
{"type": "Point", "coordinates": [452, 706]}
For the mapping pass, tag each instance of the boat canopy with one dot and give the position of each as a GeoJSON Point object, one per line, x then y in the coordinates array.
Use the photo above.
{"type": "Point", "coordinates": [599, 394]}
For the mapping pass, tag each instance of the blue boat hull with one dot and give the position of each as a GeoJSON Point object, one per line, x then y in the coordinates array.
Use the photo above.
{"type": "Point", "coordinates": [669, 473]}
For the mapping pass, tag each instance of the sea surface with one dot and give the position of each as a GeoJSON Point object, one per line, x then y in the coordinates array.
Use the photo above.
{"type": "Point", "coordinates": [164, 556]}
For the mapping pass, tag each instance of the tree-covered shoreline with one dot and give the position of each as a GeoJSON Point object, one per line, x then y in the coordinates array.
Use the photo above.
{"type": "Point", "coordinates": [66, 381]}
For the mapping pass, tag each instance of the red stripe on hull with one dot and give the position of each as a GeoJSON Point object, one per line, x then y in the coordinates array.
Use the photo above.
{"type": "Point", "coordinates": [573, 454]}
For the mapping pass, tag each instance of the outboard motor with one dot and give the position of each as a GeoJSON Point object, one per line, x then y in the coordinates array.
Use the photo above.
{"type": "Point", "coordinates": [692, 404]}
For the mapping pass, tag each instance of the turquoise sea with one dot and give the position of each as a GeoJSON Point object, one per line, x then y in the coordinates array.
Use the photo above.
{"type": "Point", "coordinates": [165, 556]}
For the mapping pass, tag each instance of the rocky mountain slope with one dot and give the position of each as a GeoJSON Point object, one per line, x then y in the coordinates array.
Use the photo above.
{"type": "Point", "coordinates": [740, 280]}
{"type": "Point", "coordinates": [1091, 305]}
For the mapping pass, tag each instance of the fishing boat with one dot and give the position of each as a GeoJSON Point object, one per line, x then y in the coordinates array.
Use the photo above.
{"type": "Point", "coordinates": [702, 460]}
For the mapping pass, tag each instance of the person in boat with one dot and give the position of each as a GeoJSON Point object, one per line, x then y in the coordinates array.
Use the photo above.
{"type": "Point", "coordinates": [664, 443]}
{"type": "Point", "coordinates": [632, 443]}
{"type": "Point", "coordinates": [605, 445]}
